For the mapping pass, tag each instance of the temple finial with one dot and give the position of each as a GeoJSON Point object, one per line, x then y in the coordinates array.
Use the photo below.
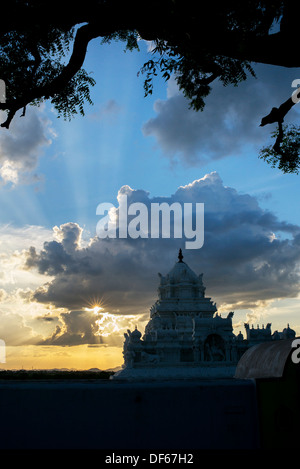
{"type": "Point", "coordinates": [180, 256]}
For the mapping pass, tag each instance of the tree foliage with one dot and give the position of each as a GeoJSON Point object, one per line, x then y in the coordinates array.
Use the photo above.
{"type": "Point", "coordinates": [193, 76]}
{"type": "Point", "coordinates": [286, 155]}
{"type": "Point", "coordinates": [42, 50]}
{"type": "Point", "coordinates": [30, 60]}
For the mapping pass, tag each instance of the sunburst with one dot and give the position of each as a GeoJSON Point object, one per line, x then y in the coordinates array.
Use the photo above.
{"type": "Point", "coordinates": [95, 304]}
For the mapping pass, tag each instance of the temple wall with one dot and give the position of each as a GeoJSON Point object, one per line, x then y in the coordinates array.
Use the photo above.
{"type": "Point", "coordinates": [122, 415]}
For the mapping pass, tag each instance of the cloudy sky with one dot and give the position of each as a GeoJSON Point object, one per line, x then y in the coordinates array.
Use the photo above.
{"type": "Point", "coordinates": [67, 296]}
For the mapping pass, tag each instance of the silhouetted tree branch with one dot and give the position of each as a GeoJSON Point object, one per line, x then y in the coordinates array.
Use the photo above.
{"type": "Point", "coordinates": [196, 45]}
{"type": "Point", "coordinates": [278, 115]}
{"type": "Point", "coordinates": [83, 36]}
{"type": "Point", "coordinates": [285, 153]}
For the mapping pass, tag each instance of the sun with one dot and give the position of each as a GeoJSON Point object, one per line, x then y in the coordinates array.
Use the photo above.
{"type": "Point", "coordinates": [96, 309]}
{"type": "Point", "coordinates": [95, 304]}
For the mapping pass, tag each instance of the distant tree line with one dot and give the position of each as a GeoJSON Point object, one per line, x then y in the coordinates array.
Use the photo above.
{"type": "Point", "coordinates": [54, 374]}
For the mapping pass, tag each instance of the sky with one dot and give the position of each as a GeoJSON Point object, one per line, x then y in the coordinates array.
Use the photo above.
{"type": "Point", "coordinates": [66, 295]}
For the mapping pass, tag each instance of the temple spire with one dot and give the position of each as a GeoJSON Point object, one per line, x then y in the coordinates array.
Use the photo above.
{"type": "Point", "coordinates": [180, 256]}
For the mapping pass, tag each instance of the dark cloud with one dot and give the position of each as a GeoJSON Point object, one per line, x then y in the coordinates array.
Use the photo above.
{"type": "Point", "coordinates": [22, 146]}
{"type": "Point", "coordinates": [90, 326]}
{"type": "Point", "coordinates": [249, 256]}
{"type": "Point", "coordinates": [77, 328]}
{"type": "Point", "coordinates": [229, 124]}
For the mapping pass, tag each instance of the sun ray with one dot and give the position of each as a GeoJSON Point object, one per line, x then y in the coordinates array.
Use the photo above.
{"type": "Point", "coordinates": [93, 302]}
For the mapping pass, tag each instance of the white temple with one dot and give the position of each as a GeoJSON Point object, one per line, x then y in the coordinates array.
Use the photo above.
{"type": "Point", "coordinates": [186, 337]}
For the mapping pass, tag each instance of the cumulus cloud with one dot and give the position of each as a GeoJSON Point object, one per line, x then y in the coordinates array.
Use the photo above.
{"type": "Point", "coordinates": [3, 294]}
{"type": "Point", "coordinates": [79, 327]}
{"type": "Point", "coordinates": [14, 330]}
{"type": "Point", "coordinates": [90, 326]}
{"type": "Point", "coordinates": [229, 123]}
{"type": "Point", "coordinates": [22, 145]}
{"type": "Point", "coordinates": [249, 256]}
{"type": "Point", "coordinates": [14, 244]}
